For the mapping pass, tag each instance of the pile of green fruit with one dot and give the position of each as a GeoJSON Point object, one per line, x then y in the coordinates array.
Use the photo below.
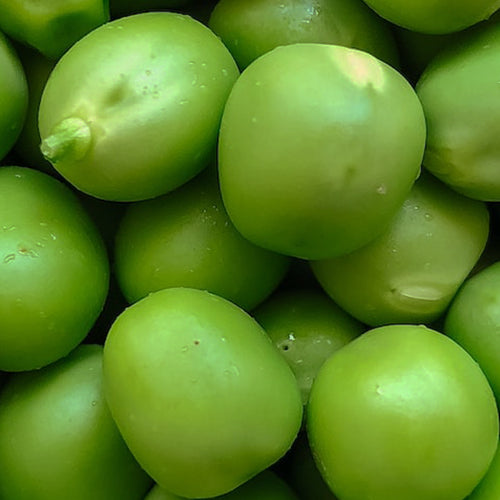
{"type": "Point", "coordinates": [248, 249]}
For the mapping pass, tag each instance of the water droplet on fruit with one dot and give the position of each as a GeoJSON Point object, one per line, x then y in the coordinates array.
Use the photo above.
{"type": "Point", "coordinates": [382, 189]}
{"type": "Point", "coordinates": [254, 119]}
{"type": "Point", "coordinates": [224, 72]}
{"type": "Point", "coordinates": [94, 403]}
{"type": "Point", "coordinates": [8, 228]}
{"type": "Point", "coordinates": [428, 216]}
{"type": "Point", "coordinates": [291, 336]}
{"type": "Point", "coordinates": [183, 102]}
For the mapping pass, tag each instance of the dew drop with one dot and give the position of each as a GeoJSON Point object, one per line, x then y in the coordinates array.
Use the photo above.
{"type": "Point", "coordinates": [224, 72]}
{"type": "Point", "coordinates": [382, 189]}
{"type": "Point", "coordinates": [428, 216]}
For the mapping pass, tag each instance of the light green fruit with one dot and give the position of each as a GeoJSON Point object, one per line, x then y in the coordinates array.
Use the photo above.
{"type": "Point", "coordinates": [402, 412]}
{"type": "Point", "coordinates": [250, 28]}
{"type": "Point", "coordinates": [185, 238]}
{"type": "Point", "coordinates": [408, 274]}
{"type": "Point", "coordinates": [307, 327]}
{"type": "Point", "coordinates": [200, 394]}
{"type": "Point", "coordinates": [473, 321]}
{"type": "Point", "coordinates": [57, 437]}
{"type": "Point", "coordinates": [132, 110]}
{"type": "Point", "coordinates": [434, 16]}
{"type": "Point", "coordinates": [315, 163]}
{"type": "Point", "coordinates": [459, 94]}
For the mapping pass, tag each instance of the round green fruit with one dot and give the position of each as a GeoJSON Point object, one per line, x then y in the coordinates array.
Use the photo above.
{"type": "Point", "coordinates": [315, 163]}
{"type": "Point", "coordinates": [132, 110]}
{"type": "Point", "coordinates": [402, 412]}
{"type": "Point", "coordinates": [200, 394]}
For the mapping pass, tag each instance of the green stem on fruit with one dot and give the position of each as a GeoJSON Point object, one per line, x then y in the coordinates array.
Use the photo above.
{"type": "Point", "coordinates": [69, 141]}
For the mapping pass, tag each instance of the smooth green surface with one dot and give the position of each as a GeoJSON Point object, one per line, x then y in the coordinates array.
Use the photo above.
{"type": "Point", "coordinates": [250, 28]}
{"type": "Point", "coordinates": [51, 26]}
{"type": "Point", "coordinates": [54, 270]}
{"type": "Point", "coordinates": [57, 437]}
{"type": "Point", "coordinates": [402, 412]}
{"type": "Point", "coordinates": [13, 96]}
{"type": "Point", "coordinates": [132, 110]}
{"type": "Point", "coordinates": [411, 273]}
{"type": "Point", "coordinates": [199, 392]}
{"type": "Point", "coordinates": [186, 238]}
{"type": "Point", "coordinates": [315, 163]}
{"type": "Point", "coordinates": [434, 16]}
{"type": "Point", "coordinates": [307, 327]}
{"type": "Point", "coordinates": [489, 487]}
{"type": "Point", "coordinates": [459, 94]}
{"type": "Point", "coordinates": [473, 320]}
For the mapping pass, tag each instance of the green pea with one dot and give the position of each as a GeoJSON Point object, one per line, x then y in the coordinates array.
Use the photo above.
{"type": "Point", "coordinates": [402, 412]}
{"type": "Point", "coordinates": [132, 110]}
{"type": "Point", "coordinates": [315, 163]}
{"type": "Point", "coordinates": [459, 94]}
{"type": "Point", "coordinates": [434, 16]}
{"type": "Point", "coordinates": [473, 320]}
{"type": "Point", "coordinates": [407, 274]}
{"type": "Point", "coordinates": [13, 96]}
{"type": "Point", "coordinates": [51, 26]}
{"type": "Point", "coordinates": [186, 238]}
{"type": "Point", "coordinates": [54, 270]}
{"type": "Point", "coordinates": [57, 437]}
{"type": "Point", "coordinates": [200, 394]}
{"type": "Point", "coordinates": [307, 327]}
{"type": "Point", "coordinates": [250, 28]}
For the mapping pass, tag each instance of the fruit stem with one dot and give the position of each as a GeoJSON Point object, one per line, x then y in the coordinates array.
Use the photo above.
{"type": "Point", "coordinates": [68, 141]}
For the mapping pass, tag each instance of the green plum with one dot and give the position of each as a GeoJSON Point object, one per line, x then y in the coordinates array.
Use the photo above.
{"type": "Point", "coordinates": [57, 437]}
{"type": "Point", "coordinates": [250, 28]}
{"type": "Point", "coordinates": [13, 96]}
{"type": "Point", "coordinates": [434, 16]}
{"type": "Point", "coordinates": [402, 412]}
{"type": "Point", "coordinates": [54, 270]}
{"type": "Point", "coordinates": [51, 26]}
{"type": "Point", "coordinates": [307, 327]}
{"type": "Point", "coordinates": [185, 238]}
{"type": "Point", "coordinates": [315, 163]}
{"type": "Point", "coordinates": [132, 110]}
{"type": "Point", "coordinates": [200, 394]}
{"type": "Point", "coordinates": [473, 321]}
{"type": "Point", "coordinates": [407, 275]}
{"type": "Point", "coordinates": [459, 91]}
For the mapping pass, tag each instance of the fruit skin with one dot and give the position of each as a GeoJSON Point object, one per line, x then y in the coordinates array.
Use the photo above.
{"type": "Point", "coordinates": [13, 96]}
{"type": "Point", "coordinates": [250, 28]}
{"type": "Point", "coordinates": [402, 412]}
{"type": "Point", "coordinates": [185, 238]}
{"type": "Point", "coordinates": [54, 270]}
{"type": "Point", "coordinates": [200, 394]}
{"type": "Point", "coordinates": [132, 110]}
{"type": "Point", "coordinates": [57, 438]}
{"type": "Point", "coordinates": [459, 91]}
{"type": "Point", "coordinates": [51, 26]}
{"type": "Point", "coordinates": [489, 487]}
{"type": "Point", "coordinates": [406, 275]}
{"type": "Point", "coordinates": [434, 16]}
{"type": "Point", "coordinates": [473, 321]}
{"type": "Point", "coordinates": [307, 327]}
{"type": "Point", "coordinates": [315, 163]}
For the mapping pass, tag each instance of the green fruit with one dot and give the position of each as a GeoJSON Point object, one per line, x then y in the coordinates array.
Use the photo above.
{"type": "Point", "coordinates": [250, 28]}
{"type": "Point", "coordinates": [473, 321]}
{"type": "Point", "coordinates": [54, 270]}
{"type": "Point", "coordinates": [307, 327]}
{"type": "Point", "coordinates": [51, 26]}
{"type": "Point", "coordinates": [200, 394]}
{"type": "Point", "coordinates": [13, 96]}
{"type": "Point", "coordinates": [434, 16]}
{"type": "Point", "coordinates": [489, 487]}
{"type": "Point", "coordinates": [402, 412]}
{"type": "Point", "coordinates": [315, 163]}
{"type": "Point", "coordinates": [185, 238]}
{"type": "Point", "coordinates": [407, 275]}
{"type": "Point", "coordinates": [459, 91]}
{"type": "Point", "coordinates": [57, 437]}
{"type": "Point", "coordinates": [132, 110]}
